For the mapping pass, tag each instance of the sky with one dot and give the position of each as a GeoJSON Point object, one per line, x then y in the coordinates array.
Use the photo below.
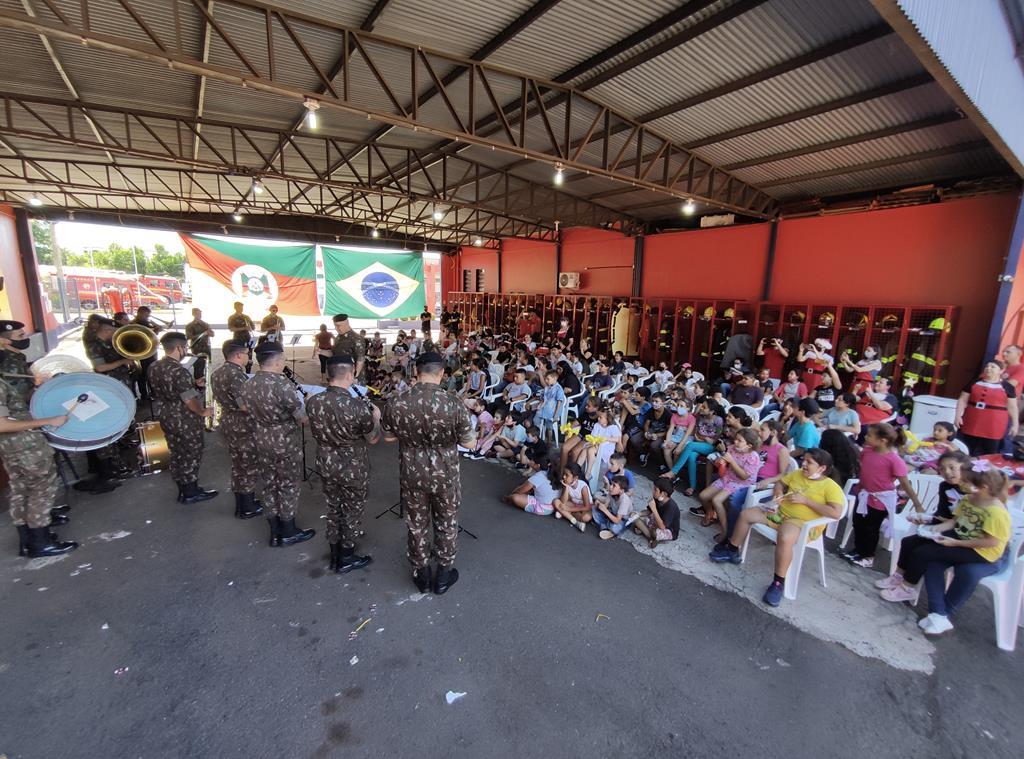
{"type": "Point", "coordinates": [76, 236]}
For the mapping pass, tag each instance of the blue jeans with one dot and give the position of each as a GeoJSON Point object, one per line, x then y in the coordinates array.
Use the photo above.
{"type": "Point", "coordinates": [734, 507]}
{"type": "Point", "coordinates": [965, 580]}
{"type": "Point", "coordinates": [688, 458]}
{"type": "Point", "coordinates": [604, 523]}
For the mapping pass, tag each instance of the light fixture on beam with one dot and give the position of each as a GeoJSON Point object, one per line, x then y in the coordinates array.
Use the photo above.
{"type": "Point", "coordinates": [35, 201]}
{"type": "Point", "coordinates": [689, 207]}
{"type": "Point", "coordinates": [375, 233]}
{"type": "Point", "coordinates": [257, 187]}
{"type": "Point", "coordinates": [71, 215]}
{"type": "Point", "coordinates": [237, 216]}
{"type": "Point", "coordinates": [312, 106]}
{"type": "Point", "coordinates": [559, 178]}
{"type": "Point", "coordinates": [438, 214]}
{"type": "Point", "coordinates": [478, 242]}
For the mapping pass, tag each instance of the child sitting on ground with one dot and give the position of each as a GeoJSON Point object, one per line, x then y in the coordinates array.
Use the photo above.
{"type": "Point", "coordinates": [398, 383]}
{"type": "Point", "coordinates": [612, 513]}
{"type": "Point", "coordinates": [510, 440]}
{"type": "Point", "coordinates": [617, 468]}
{"type": "Point", "coordinates": [660, 521]}
{"type": "Point", "coordinates": [923, 455]}
{"type": "Point", "coordinates": [574, 502]}
{"type": "Point", "coordinates": [538, 494]}
{"type": "Point", "coordinates": [485, 443]}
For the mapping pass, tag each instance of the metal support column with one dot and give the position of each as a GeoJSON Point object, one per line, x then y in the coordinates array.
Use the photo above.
{"type": "Point", "coordinates": [638, 265]}
{"type": "Point", "coordinates": [769, 264]}
{"type": "Point", "coordinates": [1006, 283]}
{"type": "Point", "coordinates": [27, 251]}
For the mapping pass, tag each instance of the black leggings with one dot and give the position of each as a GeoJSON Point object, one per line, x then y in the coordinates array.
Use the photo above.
{"type": "Point", "coordinates": [916, 553]}
{"type": "Point", "coordinates": [323, 363]}
{"type": "Point", "coordinates": [866, 528]}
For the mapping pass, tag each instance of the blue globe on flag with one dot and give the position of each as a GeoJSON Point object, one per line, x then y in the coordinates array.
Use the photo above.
{"type": "Point", "coordinates": [380, 289]}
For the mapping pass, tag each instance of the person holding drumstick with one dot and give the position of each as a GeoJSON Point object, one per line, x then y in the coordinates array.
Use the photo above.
{"type": "Point", "coordinates": [28, 459]}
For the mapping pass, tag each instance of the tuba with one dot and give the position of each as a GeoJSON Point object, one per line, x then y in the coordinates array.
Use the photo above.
{"type": "Point", "coordinates": [135, 342]}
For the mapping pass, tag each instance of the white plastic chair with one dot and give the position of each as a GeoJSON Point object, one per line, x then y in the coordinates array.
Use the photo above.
{"type": "Point", "coordinates": [609, 391]}
{"type": "Point", "coordinates": [563, 414]}
{"type": "Point", "coordinates": [817, 544]}
{"type": "Point", "coordinates": [774, 415]}
{"type": "Point", "coordinates": [961, 446]}
{"type": "Point", "coordinates": [833, 528]}
{"type": "Point", "coordinates": [927, 488]}
{"type": "Point", "coordinates": [752, 412]}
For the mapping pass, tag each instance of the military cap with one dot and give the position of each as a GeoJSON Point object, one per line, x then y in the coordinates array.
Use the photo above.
{"type": "Point", "coordinates": [429, 358]}
{"type": "Point", "coordinates": [340, 318]}
{"type": "Point", "coordinates": [268, 347]}
{"type": "Point", "coordinates": [7, 325]}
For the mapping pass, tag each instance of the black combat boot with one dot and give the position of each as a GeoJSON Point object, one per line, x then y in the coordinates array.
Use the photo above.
{"type": "Point", "coordinates": [193, 493]}
{"type": "Point", "coordinates": [421, 577]}
{"type": "Point", "coordinates": [246, 506]}
{"type": "Point", "coordinates": [444, 579]}
{"type": "Point", "coordinates": [57, 518]}
{"type": "Point", "coordinates": [23, 539]}
{"type": "Point", "coordinates": [42, 542]}
{"type": "Point", "coordinates": [347, 560]}
{"type": "Point", "coordinates": [181, 491]}
{"type": "Point", "coordinates": [62, 509]}
{"type": "Point", "coordinates": [290, 534]}
{"type": "Point", "coordinates": [275, 531]}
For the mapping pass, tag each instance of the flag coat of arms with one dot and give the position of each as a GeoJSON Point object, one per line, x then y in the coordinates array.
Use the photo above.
{"type": "Point", "coordinates": [373, 285]}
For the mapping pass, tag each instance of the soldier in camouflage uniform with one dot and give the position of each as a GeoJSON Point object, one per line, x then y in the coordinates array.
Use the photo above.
{"type": "Point", "coordinates": [28, 460]}
{"type": "Point", "coordinates": [13, 365]}
{"type": "Point", "coordinates": [181, 416]}
{"type": "Point", "coordinates": [343, 424]}
{"type": "Point", "coordinates": [227, 382]}
{"type": "Point", "coordinates": [241, 327]}
{"type": "Point", "coordinates": [348, 343]}
{"type": "Point", "coordinates": [106, 461]}
{"type": "Point", "coordinates": [275, 408]}
{"type": "Point", "coordinates": [428, 423]}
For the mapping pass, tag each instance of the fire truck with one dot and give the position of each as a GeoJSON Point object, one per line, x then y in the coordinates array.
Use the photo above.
{"type": "Point", "coordinates": [166, 287]}
{"type": "Point", "coordinates": [99, 289]}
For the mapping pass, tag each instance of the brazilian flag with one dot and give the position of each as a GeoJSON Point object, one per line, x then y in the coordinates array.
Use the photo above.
{"type": "Point", "coordinates": [373, 285]}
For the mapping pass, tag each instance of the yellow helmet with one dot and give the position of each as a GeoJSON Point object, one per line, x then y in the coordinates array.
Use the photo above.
{"type": "Point", "coordinates": [827, 319]}
{"type": "Point", "coordinates": [709, 313]}
{"type": "Point", "coordinates": [688, 312]}
{"type": "Point", "coordinates": [940, 324]}
{"type": "Point", "coordinates": [797, 317]}
{"type": "Point", "coordinates": [729, 313]}
{"type": "Point", "coordinates": [890, 320]}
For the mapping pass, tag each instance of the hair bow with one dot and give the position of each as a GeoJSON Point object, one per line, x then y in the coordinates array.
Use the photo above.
{"type": "Point", "coordinates": [980, 465]}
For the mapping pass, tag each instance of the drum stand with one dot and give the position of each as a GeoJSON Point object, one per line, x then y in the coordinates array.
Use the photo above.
{"type": "Point", "coordinates": [63, 460]}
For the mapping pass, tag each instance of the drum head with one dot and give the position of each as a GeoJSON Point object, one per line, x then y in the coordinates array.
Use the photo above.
{"type": "Point", "coordinates": [101, 420]}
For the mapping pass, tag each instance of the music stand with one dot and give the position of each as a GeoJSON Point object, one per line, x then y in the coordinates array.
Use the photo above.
{"type": "Point", "coordinates": [292, 344]}
{"type": "Point", "coordinates": [400, 513]}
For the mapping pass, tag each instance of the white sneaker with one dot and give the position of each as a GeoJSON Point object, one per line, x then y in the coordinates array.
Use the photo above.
{"type": "Point", "coordinates": [938, 624]}
{"type": "Point", "coordinates": [899, 593]}
{"type": "Point", "coordinates": [926, 620]}
{"type": "Point", "coordinates": [582, 526]}
{"type": "Point", "coordinates": [867, 562]}
{"type": "Point", "coordinates": [558, 515]}
{"type": "Point", "coordinates": [889, 582]}
{"type": "Point", "coordinates": [606, 534]}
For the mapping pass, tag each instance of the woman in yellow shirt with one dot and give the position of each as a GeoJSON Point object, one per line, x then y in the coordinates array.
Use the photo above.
{"type": "Point", "coordinates": [973, 542]}
{"type": "Point", "coordinates": [806, 494]}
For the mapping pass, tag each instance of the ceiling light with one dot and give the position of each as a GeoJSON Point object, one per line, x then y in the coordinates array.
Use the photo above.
{"type": "Point", "coordinates": [35, 200]}
{"type": "Point", "coordinates": [375, 233]}
{"type": "Point", "coordinates": [71, 215]}
{"type": "Point", "coordinates": [312, 106]}
{"type": "Point", "coordinates": [689, 208]}
{"type": "Point", "coordinates": [257, 186]}
{"type": "Point", "coordinates": [559, 175]}
{"type": "Point", "coordinates": [224, 229]}
{"type": "Point", "coordinates": [238, 217]}
{"type": "Point", "coordinates": [478, 242]}
{"type": "Point", "coordinates": [438, 214]}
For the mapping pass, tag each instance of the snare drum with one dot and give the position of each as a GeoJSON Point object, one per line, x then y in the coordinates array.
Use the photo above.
{"type": "Point", "coordinates": [154, 455]}
{"type": "Point", "coordinates": [102, 419]}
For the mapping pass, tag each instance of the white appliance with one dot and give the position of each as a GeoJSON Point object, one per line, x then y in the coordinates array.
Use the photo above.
{"type": "Point", "coordinates": [569, 280]}
{"type": "Point", "coordinates": [929, 409]}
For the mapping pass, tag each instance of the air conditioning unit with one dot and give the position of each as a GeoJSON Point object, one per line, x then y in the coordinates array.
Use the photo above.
{"type": "Point", "coordinates": [569, 280]}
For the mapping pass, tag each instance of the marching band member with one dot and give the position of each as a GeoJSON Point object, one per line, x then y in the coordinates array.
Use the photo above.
{"type": "Point", "coordinates": [239, 432]}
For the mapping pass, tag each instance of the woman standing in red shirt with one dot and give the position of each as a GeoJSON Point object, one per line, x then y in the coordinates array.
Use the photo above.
{"type": "Point", "coordinates": [983, 410]}
{"type": "Point", "coordinates": [816, 361]}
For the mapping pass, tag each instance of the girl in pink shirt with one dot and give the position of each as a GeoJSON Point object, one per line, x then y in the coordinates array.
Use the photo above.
{"type": "Point", "coordinates": [774, 455]}
{"type": "Point", "coordinates": [880, 469]}
{"type": "Point", "coordinates": [741, 463]}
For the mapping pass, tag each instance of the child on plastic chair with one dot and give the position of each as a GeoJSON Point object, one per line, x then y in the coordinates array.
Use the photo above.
{"type": "Point", "coordinates": [923, 455]}
{"type": "Point", "coordinates": [973, 543]}
{"type": "Point", "coordinates": [740, 463]}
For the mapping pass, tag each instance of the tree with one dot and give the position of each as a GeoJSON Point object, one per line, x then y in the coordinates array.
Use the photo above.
{"type": "Point", "coordinates": [43, 238]}
{"type": "Point", "coordinates": [165, 262]}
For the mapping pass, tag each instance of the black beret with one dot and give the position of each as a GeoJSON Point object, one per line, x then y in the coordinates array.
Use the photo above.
{"type": "Point", "coordinates": [336, 360]}
{"type": "Point", "coordinates": [268, 347]}
{"type": "Point", "coordinates": [340, 317]}
{"type": "Point", "coordinates": [231, 346]}
{"type": "Point", "coordinates": [429, 358]}
{"type": "Point", "coordinates": [7, 325]}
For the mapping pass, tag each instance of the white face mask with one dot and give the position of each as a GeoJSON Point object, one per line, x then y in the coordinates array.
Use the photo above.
{"type": "Point", "coordinates": [869, 354]}
{"type": "Point", "coordinates": [816, 476]}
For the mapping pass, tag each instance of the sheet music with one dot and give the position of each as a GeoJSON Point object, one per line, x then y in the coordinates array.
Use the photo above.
{"type": "Point", "coordinates": [88, 408]}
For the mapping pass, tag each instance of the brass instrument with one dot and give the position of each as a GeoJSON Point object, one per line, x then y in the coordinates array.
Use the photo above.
{"type": "Point", "coordinates": [211, 421]}
{"type": "Point", "coordinates": [135, 342]}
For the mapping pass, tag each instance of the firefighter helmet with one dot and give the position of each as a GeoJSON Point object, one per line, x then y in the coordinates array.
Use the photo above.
{"type": "Point", "coordinates": [827, 319]}
{"type": "Point", "coordinates": [688, 312]}
{"type": "Point", "coordinates": [709, 313]}
{"type": "Point", "coordinates": [890, 320]}
{"type": "Point", "coordinates": [797, 317]}
{"type": "Point", "coordinates": [729, 313]}
{"type": "Point", "coordinates": [939, 324]}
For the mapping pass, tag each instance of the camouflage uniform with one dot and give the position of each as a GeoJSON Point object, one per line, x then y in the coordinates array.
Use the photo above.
{"type": "Point", "coordinates": [28, 460]}
{"type": "Point", "coordinates": [339, 423]}
{"type": "Point", "coordinates": [241, 327]}
{"type": "Point", "coordinates": [350, 344]}
{"type": "Point", "coordinates": [227, 382]}
{"type": "Point", "coordinates": [428, 423]}
{"type": "Point", "coordinates": [172, 385]}
{"type": "Point", "coordinates": [275, 410]}
{"type": "Point", "coordinates": [12, 362]}
{"type": "Point", "coordinates": [198, 340]}
{"type": "Point", "coordinates": [103, 353]}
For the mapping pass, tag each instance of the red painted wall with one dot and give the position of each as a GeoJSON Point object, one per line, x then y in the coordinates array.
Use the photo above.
{"type": "Point", "coordinates": [480, 258]}
{"type": "Point", "coordinates": [603, 258]}
{"type": "Point", "coordinates": [706, 263]}
{"type": "Point", "coordinates": [14, 296]}
{"type": "Point", "coordinates": [939, 254]}
{"type": "Point", "coordinates": [528, 266]}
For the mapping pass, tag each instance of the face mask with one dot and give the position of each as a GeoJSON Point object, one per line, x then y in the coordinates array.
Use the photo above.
{"type": "Point", "coordinates": [817, 476]}
{"type": "Point", "coordinates": [657, 405]}
{"type": "Point", "coordinates": [869, 354]}
{"type": "Point", "coordinates": [21, 344]}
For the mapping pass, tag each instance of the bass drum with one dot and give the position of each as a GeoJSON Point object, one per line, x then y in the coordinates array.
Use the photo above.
{"type": "Point", "coordinates": [101, 419]}
{"type": "Point", "coordinates": [154, 455]}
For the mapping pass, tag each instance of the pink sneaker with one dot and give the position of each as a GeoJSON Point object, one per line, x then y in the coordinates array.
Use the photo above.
{"type": "Point", "coordinates": [889, 582]}
{"type": "Point", "coordinates": [899, 594]}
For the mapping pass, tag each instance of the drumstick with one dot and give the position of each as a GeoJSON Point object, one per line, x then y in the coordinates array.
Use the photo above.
{"type": "Point", "coordinates": [80, 399]}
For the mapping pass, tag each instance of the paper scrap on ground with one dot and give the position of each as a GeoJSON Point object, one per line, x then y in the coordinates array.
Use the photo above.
{"type": "Point", "coordinates": [353, 661]}
{"type": "Point", "coordinates": [451, 696]}
{"type": "Point", "coordinates": [106, 537]}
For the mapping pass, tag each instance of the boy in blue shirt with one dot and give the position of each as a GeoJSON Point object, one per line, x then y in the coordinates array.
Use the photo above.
{"type": "Point", "coordinates": [803, 432]}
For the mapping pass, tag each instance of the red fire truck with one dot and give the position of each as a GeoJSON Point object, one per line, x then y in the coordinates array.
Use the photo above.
{"type": "Point", "coordinates": [98, 289]}
{"type": "Point", "coordinates": [166, 287]}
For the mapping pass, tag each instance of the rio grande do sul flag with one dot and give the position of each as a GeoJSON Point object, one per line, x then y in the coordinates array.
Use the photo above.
{"type": "Point", "coordinates": [373, 285]}
{"type": "Point", "coordinates": [255, 272]}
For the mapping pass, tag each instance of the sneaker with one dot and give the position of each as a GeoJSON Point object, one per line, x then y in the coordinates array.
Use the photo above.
{"type": "Point", "coordinates": [926, 621]}
{"type": "Point", "coordinates": [643, 459]}
{"type": "Point", "coordinates": [773, 595]}
{"type": "Point", "coordinates": [725, 552]}
{"type": "Point", "coordinates": [558, 515]}
{"type": "Point", "coordinates": [581, 526]}
{"type": "Point", "coordinates": [937, 624]}
{"type": "Point", "coordinates": [662, 469]}
{"type": "Point", "coordinates": [605, 534]}
{"type": "Point", "coordinates": [697, 511]}
{"type": "Point", "coordinates": [864, 561]}
{"type": "Point", "coordinates": [889, 582]}
{"type": "Point", "coordinates": [899, 594]}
